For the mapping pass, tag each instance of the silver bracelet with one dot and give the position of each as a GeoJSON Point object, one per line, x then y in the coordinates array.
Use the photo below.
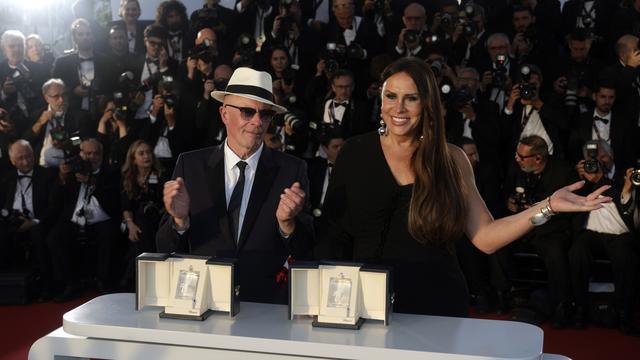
{"type": "Point", "coordinates": [546, 212]}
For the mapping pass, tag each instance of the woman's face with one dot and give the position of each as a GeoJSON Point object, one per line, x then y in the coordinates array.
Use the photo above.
{"type": "Point", "coordinates": [34, 50]}
{"type": "Point", "coordinates": [279, 61]}
{"type": "Point", "coordinates": [401, 105]}
{"type": "Point", "coordinates": [143, 158]}
{"type": "Point", "coordinates": [131, 11]}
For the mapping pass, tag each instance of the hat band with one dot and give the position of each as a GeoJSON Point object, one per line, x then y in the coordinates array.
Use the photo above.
{"type": "Point", "coordinates": [250, 90]}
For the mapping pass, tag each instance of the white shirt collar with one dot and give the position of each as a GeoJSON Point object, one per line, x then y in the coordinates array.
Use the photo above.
{"type": "Point", "coordinates": [607, 117]}
{"type": "Point", "coordinates": [30, 173]}
{"type": "Point", "coordinates": [231, 159]}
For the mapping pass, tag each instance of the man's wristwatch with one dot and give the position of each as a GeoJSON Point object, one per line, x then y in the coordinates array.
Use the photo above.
{"type": "Point", "coordinates": [544, 215]}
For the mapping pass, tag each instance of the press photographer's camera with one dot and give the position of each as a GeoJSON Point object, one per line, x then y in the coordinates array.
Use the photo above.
{"type": "Point", "coordinates": [527, 89]}
{"type": "Point", "coordinates": [499, 74]}
{"type": "Point", "coordinates": [591, 163]}
{"type": "Point", "coordinates": [412, 37]}
{"type": "Point", "coordinates": [204, 51]}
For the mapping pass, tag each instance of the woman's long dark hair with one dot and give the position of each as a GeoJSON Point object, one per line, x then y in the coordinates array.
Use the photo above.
{"type": "Point", "coordinates": [437, 213]}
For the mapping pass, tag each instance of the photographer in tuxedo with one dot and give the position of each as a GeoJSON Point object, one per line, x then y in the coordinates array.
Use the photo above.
{"type": "Point", "coordinates": [608, 233]}
{"type": "Point", "coordinates": [536, 177]}
{"type": "Point", "coordinates": [88, 192]}
{"type": "Point", "coordinates": [20, 80]}
{"type": "Point", "coordinates": [26, 213]}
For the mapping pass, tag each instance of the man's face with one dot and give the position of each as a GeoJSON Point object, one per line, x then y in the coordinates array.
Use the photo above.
{"type": "Point", "coordinates": [55, 98]}
{"type": "Point", "coordinates": [343, 11]}
{"type": "Point", "coordinates": [472, 154]}
{"type": "Point", "coordinates": [414, 18]}
{"type": "Point", "coordinates": [244, 132]}
{"type": "Point", "coordinates": [527, 161]}
{"type": "Point", "coordinates": [22, 158]}
{"type": "Point", "coordinates": [604, 99]}
{"type": "Point", "coordinates": [14, 50]}
{"type": "Point", "coordinates": [605, 159]}
{"type": "Point", "coordinates": [83, 37]}
{"type": "Point", "coordinates": [468, 79]}
{"type": "Point", "coordinates": [34, 49]}
{"type": "Point", "coordinates": [174, 21]}
{"type": "Point", "coordinates": [118, 41]}
{"type": "Point", "coordinates": [342, 87]}
{"type": "Point", "coordinates": [497, 47]}
{"type": "Point", "coordinates": [522, 20]}
{"type": "Point", "coordinates": [479, 22]}
{"type": "Point", "coordinates": [153, 45]}
{"type": "Point", "coordinates": [333, 148]}
{"type": "Point", "coordinates": [92, 153]}
{"type": "Point", "coordinates": [579, 50]}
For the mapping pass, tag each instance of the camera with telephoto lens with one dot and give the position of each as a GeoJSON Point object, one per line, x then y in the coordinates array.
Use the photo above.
{"type": "Point", "coordinates": [12, 218]}
{"type": "Point", "coordinates": [591, 163]}
{"type": "Point", "coordinates": [446, 20]}
{"type": "Point", "coordinates": [203, 51]}
{"type": "Point", "coordinates": [289, 119]}
{"type": "Point", "coordinates": [635, 174]}
{"type": "Point", "coordinates": [436, 67]}
{"type": "Point", "coordinates": [72, 158]}
{"type": "Point", "coordinates": [355, 51]}
{"type": "Point", "coordinates": [122, 105]}
{"type": "Point", "coordinates": [520, 198]}
{"type": "Point", "coordinates": [246, 50]}
{"type": "Point", "coordinates": [412, 37]}
{"type": "Point", "coordinates": [527, 89]}
{"type": "Point", "coordinates": [499, 73]}
{"type": "Point", "coordinates": [460, 98]}
{"type": "Point", "coordinates": [469, 28]}
{"type": "Point", "coordinates": [59, 134]}
{"type": "Point", "coordinates": [21, 78]}
{"type": "Point", "coordinates": [220, 84]}
{"type": "Point", "coordinates": [335, 57]}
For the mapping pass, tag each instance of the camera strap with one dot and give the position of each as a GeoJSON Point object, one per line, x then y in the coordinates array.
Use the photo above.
{"type": "Point", "coordinates": [597, 131]}
{"type": "Point", "coordinates": [525, 116]}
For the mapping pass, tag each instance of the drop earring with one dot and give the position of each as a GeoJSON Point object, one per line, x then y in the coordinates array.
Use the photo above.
{"type": "Point", "coordinates": [382, 130]}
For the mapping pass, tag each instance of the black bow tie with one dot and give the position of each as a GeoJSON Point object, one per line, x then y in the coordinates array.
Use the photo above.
{"type": "Point", "coordinates": [85, 59]}
{"type": "Point", "coordinates": [598, 118]}
{"type": "Point", "coordinates": [20, 177]}
{"type": "Point", "coordinates": [337, 104]}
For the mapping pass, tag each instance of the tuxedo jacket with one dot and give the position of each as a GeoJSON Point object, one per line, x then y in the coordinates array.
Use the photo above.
{"type": "Point", "coordinates": [261, 250]}
{"type": "Point", "coordinates": [67, 68]}
{"type": "Point", "coordinates": [107, 193]}
{"type": "Point", "coordinates": [317, 172]}
{"type": "Point", "coordinates": [355, 120]}
{"type": "Point", "coordinates": [33, 99]}
{"type": "Point", "coordinates": [75, 121]}
{"type": "Point", "coordinates": [603, 10]}
{"type": "Point", "coordinates": [622, 131]}
{"type": "Point", "coordinates": [41, 184]}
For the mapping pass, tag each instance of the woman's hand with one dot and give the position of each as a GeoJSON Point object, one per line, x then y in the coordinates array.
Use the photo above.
{"type": "Point", "coordinates": [564, 200]}
{"type": "Point", "coordinates": [134, 231]}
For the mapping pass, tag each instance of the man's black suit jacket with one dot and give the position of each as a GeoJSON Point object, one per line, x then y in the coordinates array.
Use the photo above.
{"type": "Point", "coordinates": [67, 68]}
{"type": "Point", "coordinates": [33, 99]}
{"type": "Point", "coordinates": [75, 121]}
{"type": "Point", "coordinates": [317, 174]}
{"type": "Point", "coordinates": [261, 250]}
{"type": "Point", "coordinates": [41, 183]}
{"type": "Point", "coordinates": [107, 189]}
{"type": "Point", "coordinates": [355, 120]}
{"type": "Point", "coordinates": [623, 133]}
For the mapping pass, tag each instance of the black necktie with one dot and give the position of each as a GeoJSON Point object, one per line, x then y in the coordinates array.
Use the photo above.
{"type": "Point", "coordinates": [598, 118]}
{"type": "Point", "coordinates": [236, 201]}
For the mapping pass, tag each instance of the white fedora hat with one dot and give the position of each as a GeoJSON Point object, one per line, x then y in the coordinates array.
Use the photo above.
{"type": "Point", "coordinates": [251, 84]}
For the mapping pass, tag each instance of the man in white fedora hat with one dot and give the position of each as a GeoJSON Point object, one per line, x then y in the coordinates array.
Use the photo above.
{"type": "Point", "coordinates": [241, 199]}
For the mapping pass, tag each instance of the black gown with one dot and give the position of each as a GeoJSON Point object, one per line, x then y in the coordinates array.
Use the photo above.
{"type": "Point", "coordinates": [366, 214]}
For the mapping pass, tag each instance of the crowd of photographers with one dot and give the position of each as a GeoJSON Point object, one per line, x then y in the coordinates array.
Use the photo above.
{"type": "Point", "coordinates": [538, 97]}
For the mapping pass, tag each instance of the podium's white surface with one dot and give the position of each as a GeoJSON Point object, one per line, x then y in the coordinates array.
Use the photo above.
{"type": "Point", "coordinates": [109, 327]}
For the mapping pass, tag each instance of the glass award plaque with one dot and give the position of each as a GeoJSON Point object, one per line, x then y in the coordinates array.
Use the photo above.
{"type": "Point", "coordinates": [339, 294]}
{"type": "Point", "coordinates": [187, 284]}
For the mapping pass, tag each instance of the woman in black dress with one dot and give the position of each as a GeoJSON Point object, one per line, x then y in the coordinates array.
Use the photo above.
{"type": "Point", "coordinates": [402, 196]}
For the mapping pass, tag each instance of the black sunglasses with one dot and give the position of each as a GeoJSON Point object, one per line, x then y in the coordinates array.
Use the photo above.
{"type": "Point", "coordinates": [248, 113]}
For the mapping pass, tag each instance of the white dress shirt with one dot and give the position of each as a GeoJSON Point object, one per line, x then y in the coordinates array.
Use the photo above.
{"type": "Point", "coordinates": [24, 187]}
{"type": "Point", "coordinates": [92, 209]}
{"type": "Point", "coordinates": [232, 173]}
{"type": "Point", "coordinates": [534, 126]}
{"type": "Point", "coordinates": [600, 130]}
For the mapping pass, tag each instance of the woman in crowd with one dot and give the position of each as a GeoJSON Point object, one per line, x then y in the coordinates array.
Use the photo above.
{"type": "Point", "coordinates": [130, 13]}
{"type": "Point", "coordinates": [142, 183]}
{"type": "Point", "coordinates": [35, 52]}
{"type": "Point", "coordinates": [402, 197]}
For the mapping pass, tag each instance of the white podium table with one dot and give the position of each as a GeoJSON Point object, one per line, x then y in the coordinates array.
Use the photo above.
{"type": "Point", "coordinates": [109, 327]}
